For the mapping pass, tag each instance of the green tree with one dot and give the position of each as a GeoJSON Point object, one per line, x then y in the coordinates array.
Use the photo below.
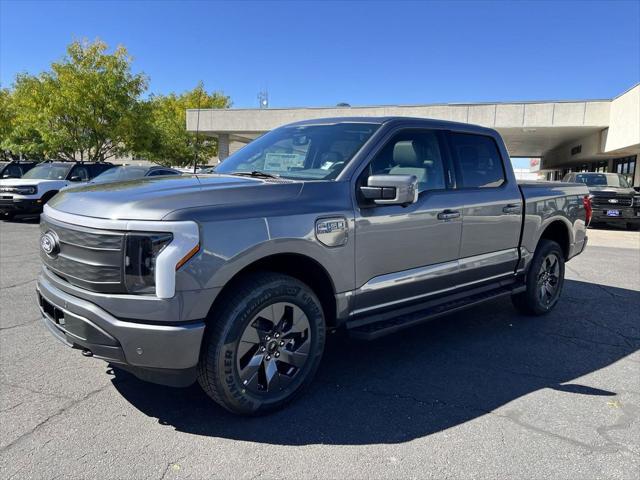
{"type": "Point", "coordinates": [86, 107]}
{"type": "Point", "coordinates": [7, 115]}
{"type": "Point", "coordinates": [171, 144]}
{"type": "Point", "coordinates": [19, 136]}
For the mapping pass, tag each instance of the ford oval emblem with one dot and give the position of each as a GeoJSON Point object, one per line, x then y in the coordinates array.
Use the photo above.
{"type": "Point", "coordinates": [49, 243]}
{"type": "Point", "coordinates": [613, 200]}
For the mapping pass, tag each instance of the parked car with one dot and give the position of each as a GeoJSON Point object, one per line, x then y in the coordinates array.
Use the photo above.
{"type": "Point", "coordinates": [28, 194]}
{"type": "Point", "coordinates": [614, 200]}
{"type": "Point", "coordinates": [133, 172]}
{"type": "Point", "coordinates": [233, 279]}
{"type": "Point", "coordinates": [15, 169]}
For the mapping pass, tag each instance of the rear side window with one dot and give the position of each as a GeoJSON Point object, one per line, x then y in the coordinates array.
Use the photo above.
{"type": "Point", "coordinates": [13, 171]}
{"type": "Point", "coordinates": [81, 172]}
{"type": "Point", "coordinates": [479, 161]}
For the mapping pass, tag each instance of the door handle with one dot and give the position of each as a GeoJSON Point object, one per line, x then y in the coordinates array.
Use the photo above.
{"type": "Point", "coordinates": [512, 208]}
{"type": "Point", "coordinates": [448, 214]}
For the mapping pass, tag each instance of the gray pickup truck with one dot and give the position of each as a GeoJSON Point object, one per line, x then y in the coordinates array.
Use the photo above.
{"type": "Point", "coordinates": [367, 224]}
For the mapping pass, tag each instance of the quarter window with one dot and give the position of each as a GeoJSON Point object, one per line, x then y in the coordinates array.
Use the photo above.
{"type": "Point", "coordinates": [479, 161]}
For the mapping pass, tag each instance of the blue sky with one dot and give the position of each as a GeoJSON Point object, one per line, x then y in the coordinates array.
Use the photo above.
{"type": "Point", "coordinates": [363, 53]}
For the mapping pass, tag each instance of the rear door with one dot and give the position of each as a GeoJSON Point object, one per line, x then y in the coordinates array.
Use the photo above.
{"type": "Point", "coordinates": [492, 213]}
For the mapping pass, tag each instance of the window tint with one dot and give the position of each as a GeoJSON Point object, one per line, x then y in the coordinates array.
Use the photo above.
{"type": "Point", "coordinates": [479, 160]}
{"type": "Point", "coordinates": [603, 180]}
{"type": "Point", "coordinates": [13, 171]}
{"type": "Point", "coordinates": [414, 152]}
{"type": "Point", "coordinates": [49, 171]}
{"type": "Point", "coordinates": [80, 171]}
{"type": "Point", "coordinates": [157, 173]}
{"type": "Point", "coordinates": [98, 168]}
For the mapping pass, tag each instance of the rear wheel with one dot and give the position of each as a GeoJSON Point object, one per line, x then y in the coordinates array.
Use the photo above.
{"type": "Point", "coordinates": [265, 345]}
{"type": "Point", "coordinates": [544, 280]}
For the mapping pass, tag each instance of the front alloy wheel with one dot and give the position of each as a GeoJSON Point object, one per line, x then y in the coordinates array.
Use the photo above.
{"type": "Point", "coordinates": [274, 348]}
{"type": "Point", "coordinates": [263, 344]}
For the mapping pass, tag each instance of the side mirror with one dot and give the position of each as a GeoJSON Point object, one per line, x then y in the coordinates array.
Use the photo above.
{"type": "Point", "coordinates": [391, 189]}
{"type": "Point", "coordinates": [76, 178]}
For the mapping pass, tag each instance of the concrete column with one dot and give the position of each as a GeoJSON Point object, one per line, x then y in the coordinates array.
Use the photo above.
{"type": "Point", "coordinates": [223, 146]}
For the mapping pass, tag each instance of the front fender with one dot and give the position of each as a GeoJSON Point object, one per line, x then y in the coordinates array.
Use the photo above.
{"type": "Point", "coordinates": [227, 247]}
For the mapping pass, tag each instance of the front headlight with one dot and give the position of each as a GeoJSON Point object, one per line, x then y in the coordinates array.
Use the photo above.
{"type": "Point", "coordinates": [141, 252]}
{"type": "Point", "coordinates": [27, 190]}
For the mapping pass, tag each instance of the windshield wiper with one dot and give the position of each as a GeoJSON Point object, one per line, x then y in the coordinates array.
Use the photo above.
{"type": "Point", "coordinates": [255, 174]}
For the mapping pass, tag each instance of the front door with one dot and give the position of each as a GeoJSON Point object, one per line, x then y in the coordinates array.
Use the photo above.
{"type": "Point", "coordinates": [408, 253]}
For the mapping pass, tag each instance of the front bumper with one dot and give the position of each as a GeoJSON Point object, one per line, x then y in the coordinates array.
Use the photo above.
{"type": "Point", "coordinates": [20, 205]}
{"type": "Point", "coordinates": [166, 354]}
{"type": "Point", "coordinates": [626, 214]}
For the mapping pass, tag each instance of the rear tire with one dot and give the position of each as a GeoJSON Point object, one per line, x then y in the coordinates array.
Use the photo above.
{"type": "Point", "coordinates": [544, 280]}
{"type": "Point", "coordinates": [263, 345]}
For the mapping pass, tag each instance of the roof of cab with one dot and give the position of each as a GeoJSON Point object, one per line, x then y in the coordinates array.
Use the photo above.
{"type": "Point", "coordinates": [426, 122]}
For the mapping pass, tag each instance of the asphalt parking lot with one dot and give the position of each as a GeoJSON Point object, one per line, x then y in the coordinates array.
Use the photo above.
{"type": "Point", "coordinates": [480, 394]}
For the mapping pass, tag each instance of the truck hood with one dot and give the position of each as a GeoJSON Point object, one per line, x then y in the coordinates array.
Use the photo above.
{"type": "Point", "coordinates": [153, 198]}
{"type": "Point", "coordinates": [612, 191]}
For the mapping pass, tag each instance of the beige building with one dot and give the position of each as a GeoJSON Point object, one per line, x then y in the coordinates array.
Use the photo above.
{"type": "Point", "coordinates": [578, 135]}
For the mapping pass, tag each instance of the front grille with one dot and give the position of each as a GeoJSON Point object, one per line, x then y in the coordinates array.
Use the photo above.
{"type": "Point", "coordinates": [603, 201]}
{"type": "Point", "coordinates": [88, 258]}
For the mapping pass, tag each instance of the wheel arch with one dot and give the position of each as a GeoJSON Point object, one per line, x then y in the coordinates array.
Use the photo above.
{"type": "Point", "coordinates": [559, 232]}
{"type": "Point", "coordinates": [297, 265]}
{"type": "Point", "coordinates": [48, 195]}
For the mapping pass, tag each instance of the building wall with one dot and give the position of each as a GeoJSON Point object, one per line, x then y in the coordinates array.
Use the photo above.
{"type": "Point", "coordinates": [624, 121]}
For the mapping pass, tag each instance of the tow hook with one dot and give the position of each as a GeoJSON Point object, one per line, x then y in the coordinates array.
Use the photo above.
{"type": "Point", "coordinates": [87, 353]}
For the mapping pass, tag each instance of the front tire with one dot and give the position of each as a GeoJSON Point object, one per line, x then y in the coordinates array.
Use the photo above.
{"type": "Point", "coordinates": [544, 280]}
{"type": "Point", "coordinates": [264, 345]}
{"type": "Point", "coordinates": [634, 227]}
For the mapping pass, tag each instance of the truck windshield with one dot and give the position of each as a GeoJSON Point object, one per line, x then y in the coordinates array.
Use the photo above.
{"type": "Point", "coordinates": [306, 152]}
{"type": "Point", "coordinates": [49, 171]}
{"type": "Point", "coordinates": [603, 180]}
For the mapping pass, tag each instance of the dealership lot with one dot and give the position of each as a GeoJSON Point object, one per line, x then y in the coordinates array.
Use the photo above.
{"type": "Point", "coordinates": [480, 394]}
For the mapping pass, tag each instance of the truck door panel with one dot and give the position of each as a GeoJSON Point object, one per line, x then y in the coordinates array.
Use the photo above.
{"type": "Point", "coordinates": [407, 251]}
{"type": "Point", "coordinates": [492, 208]}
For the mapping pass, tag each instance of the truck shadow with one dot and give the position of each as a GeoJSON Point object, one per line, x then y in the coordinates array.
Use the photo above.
{"type": "Point", "coordinates": [426, 379]}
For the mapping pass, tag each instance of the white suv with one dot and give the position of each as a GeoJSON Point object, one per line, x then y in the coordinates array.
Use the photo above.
{"type": "Point", "coordinates": [28, 194]}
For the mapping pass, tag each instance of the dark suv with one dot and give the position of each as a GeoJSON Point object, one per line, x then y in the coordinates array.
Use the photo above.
{"type": "Point", "coordinates": [613, 199]}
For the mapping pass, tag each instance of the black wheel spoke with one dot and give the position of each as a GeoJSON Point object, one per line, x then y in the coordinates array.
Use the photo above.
{"type": "Point", "coordinates": [273, 348]}
{"type": "Point", "coordinates": [272, 375]}
{"type": "Point", "coordinates": [251, 369]}
{"type": "Point", "coordinates": [297, 359]}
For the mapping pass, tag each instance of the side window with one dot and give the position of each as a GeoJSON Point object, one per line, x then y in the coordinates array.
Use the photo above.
{"type": "Point", "coordinates": [157, 173]}
{"type": "Point", "coordinates": [414, 152]}
{"type": "Point", "coordinates": [13, 171]}
{"type": "Point", "coordinates": [100, 168]}
{"type": "Point", "coordinates": [80, 171]}
{"type": "Point", "coordinates": [479, 160]}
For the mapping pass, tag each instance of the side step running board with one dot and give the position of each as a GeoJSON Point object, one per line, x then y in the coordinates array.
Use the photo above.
{"type": "Point", "coordinates": [371, 331]}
